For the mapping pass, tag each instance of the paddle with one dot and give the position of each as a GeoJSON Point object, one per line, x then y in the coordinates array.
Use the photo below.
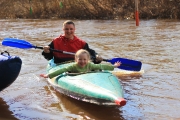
{"type": "Point", "coordinates": [126, 64]}
{"type": "Point", "coordinates": [13, 42]}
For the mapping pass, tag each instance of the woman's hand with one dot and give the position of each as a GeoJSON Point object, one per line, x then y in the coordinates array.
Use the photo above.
{"type": "Point", "coordinates": [46, 49]}
{"type": "Point", "coordinates": [117, 64]}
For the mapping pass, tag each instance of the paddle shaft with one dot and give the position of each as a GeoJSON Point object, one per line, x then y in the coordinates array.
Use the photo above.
{"type": "Point", "coordinates": [54, 50]}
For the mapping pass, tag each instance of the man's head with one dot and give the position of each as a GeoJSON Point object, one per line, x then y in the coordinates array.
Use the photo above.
{"type": "Point", "coordinates": [69, 29]}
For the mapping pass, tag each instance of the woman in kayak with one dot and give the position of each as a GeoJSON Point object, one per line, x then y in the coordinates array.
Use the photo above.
{"type": "Point", "coordinates": [70, 43]}
{"type": "Point", "coordinates": [82, 64]}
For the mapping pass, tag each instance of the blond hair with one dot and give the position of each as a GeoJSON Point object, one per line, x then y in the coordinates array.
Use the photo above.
{"type": "Point", "coordinates": [68, 22]}
{"type": "Point", "coordinates": [82, 51]}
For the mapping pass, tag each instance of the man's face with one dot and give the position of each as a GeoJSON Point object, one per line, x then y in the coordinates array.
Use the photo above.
{"type": "Point", "coordinates": [69, 30]}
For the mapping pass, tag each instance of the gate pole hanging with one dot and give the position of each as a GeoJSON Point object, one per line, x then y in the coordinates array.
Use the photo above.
{"type": "Point", "coordinates": [136, 13]}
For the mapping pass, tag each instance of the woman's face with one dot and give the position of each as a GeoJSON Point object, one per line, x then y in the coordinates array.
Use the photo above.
{"type": "Point", "coordinates": [69, 30]}
{"type": "Point", "coordinates": [82, 60]}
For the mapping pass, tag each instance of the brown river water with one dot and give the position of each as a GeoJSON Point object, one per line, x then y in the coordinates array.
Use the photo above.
{"type": "Point", "coordinates": [151, 94]}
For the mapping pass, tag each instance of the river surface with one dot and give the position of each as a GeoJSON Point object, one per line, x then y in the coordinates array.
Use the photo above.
{"type": "Point", "coordinates": [153, 94]}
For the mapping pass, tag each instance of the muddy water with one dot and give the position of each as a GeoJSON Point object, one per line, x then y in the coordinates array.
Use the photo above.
{"type": "Point", "coordinates": [152, 95]}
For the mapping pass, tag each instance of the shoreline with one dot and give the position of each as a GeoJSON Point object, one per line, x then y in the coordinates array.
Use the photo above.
{"type": "Point", "coordinates": [88, 10]}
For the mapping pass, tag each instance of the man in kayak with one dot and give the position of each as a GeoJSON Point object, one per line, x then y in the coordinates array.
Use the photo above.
{"type": "Point", "coordinates": [82, 65]}
{"type": "Point", "coordinates": [70, 43]}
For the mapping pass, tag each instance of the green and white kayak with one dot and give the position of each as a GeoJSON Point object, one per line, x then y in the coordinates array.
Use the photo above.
{"type": "Point", "coordinates": [100, 87]}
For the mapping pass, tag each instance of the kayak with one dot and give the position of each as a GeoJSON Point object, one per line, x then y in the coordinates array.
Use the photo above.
{"type": "Point", "coordinates": [97, 87]}
{"type": "Point", "coordinates": [10, 67]}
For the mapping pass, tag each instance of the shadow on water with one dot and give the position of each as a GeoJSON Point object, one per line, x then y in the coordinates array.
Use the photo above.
{"type": "Point", "coordinates": [87, 110]}
{"type": "Point", "coordinates": [5, 113]}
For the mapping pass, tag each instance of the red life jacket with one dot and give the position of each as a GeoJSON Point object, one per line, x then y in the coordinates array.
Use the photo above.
{"type": "Point", "coordinates": [62, 43]}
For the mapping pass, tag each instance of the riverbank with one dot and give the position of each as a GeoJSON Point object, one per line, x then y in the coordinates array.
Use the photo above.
{"type": "Point", "coordinates": [89, 9]}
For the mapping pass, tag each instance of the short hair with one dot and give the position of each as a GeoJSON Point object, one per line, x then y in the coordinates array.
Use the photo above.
{"type": "Point", "coordinates": [68, 22]}
{"type": "Point", "coordinates": [82, 51]}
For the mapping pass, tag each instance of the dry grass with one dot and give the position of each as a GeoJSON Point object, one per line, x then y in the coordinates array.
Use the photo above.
{"type": "Point", "coordinates": [89, 9]}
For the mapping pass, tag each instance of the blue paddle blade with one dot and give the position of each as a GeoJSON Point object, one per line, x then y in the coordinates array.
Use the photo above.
{"type": "Point", "coordinates": [13, 42]}
{"type": "Point", "coordinates": [127, 64]}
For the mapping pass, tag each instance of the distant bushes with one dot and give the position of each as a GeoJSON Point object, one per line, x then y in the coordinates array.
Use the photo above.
{"type": "Point", "coordinates": [89, 9]}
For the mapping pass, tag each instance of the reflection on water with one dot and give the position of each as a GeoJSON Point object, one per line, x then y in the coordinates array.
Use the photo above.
{"type": "Point", "coordinates": [84, 110]}
{"type": "Point", "coordinates": [5, 113]}
{"type": "Point", "coordinates": [151, 94]}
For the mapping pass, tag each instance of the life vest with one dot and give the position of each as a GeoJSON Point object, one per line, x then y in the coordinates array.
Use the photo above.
{"type": "Point", "coordinates": [62, 43]}
{"type": "Point", "coordinates": [10, 67]}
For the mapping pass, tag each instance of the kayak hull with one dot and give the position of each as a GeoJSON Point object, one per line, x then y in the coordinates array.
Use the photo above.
{"type": "Point", "coordinates": [10, 67]}
{"type": "Point", "coordinates": [102, 87]}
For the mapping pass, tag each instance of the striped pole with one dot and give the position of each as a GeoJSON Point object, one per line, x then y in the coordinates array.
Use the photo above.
{"type": "Point", "coordinates": [136, 13]}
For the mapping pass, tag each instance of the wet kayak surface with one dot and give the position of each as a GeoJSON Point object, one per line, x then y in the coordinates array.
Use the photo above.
{"type": "Point", "coordinates": [152, 95]}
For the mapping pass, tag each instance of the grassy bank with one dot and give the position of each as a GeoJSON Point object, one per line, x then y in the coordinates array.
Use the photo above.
{"type": "Point", "coordinates": [89, 9]}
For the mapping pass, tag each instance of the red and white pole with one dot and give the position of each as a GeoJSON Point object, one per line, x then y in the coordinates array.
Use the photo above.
{"type": "Point", "coordinates": [136, 13]}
